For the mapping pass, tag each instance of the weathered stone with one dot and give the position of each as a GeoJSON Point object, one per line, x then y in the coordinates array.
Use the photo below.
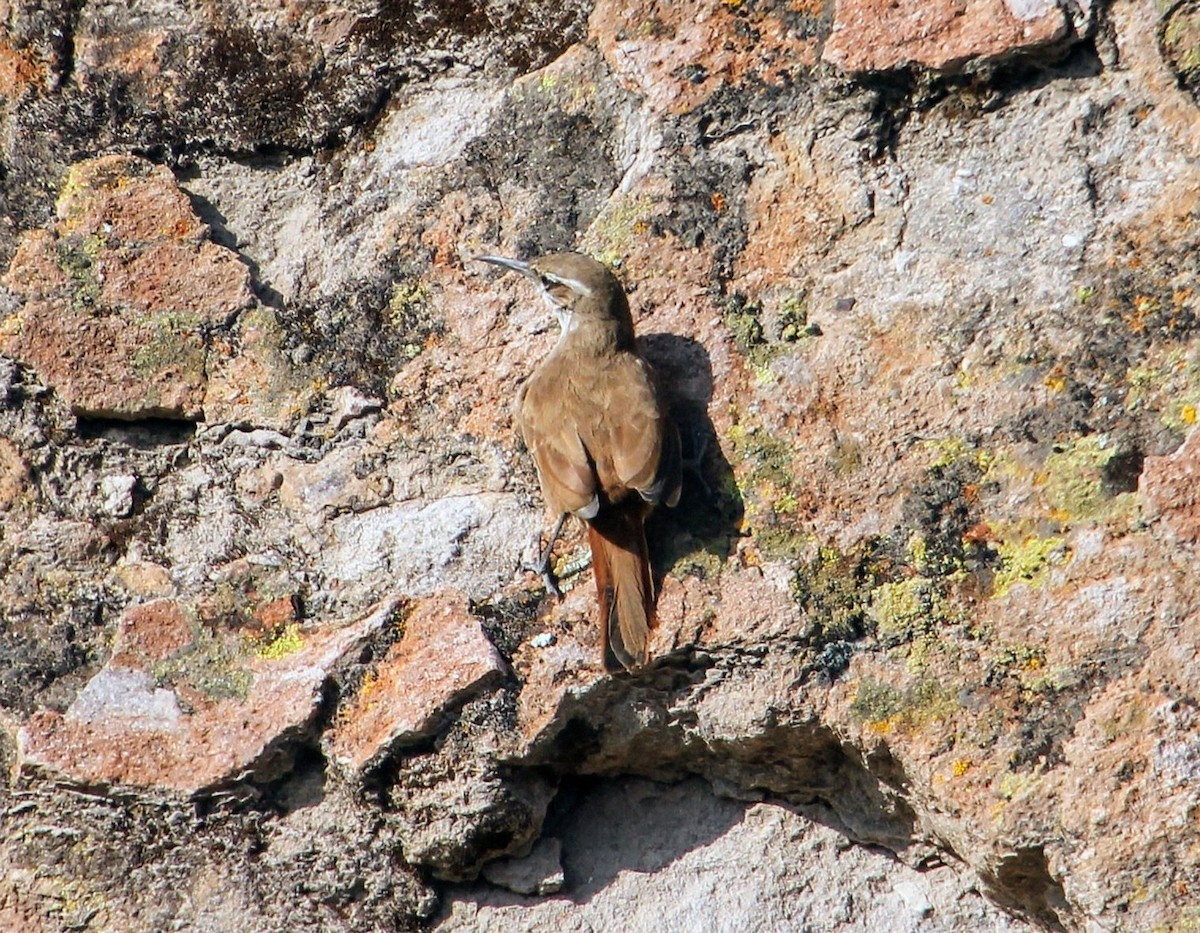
{"type": "Point", "coordinates": [119, 301]}
{"type": "Point", "coordinates": [14, 475]}
{"type": "Point", "coordinates": [252, 380]}
{"type": "Point", "coordinates": [1171, 488]}
{"type": "Point", "coordinates": [930, 341]}
{"type": "Point", "coordinates": [458, 807]}
{"type": "Point", "coordinates": [343, 481]}
{"type": "Point", "coordinates": [18, 907]}
{"type": "Point", "coordinates": [878, 35]}
{"type": "Point", "coordinates": [152, 632]}
{"type": "Point", "coordinates": [228, 711]}
{"type": "Point", "coordinates": [641, 856]}
{"type": "Point", "coordinates": [676, 55]}
{"type": "Point", "coordinates": [145, 578]}
{"type": "Point", "coordinates": [423, 542]}
{"type": "Point", "coordinates": [538, 873]}
{"type": "Point", "coordinates": [442, 661]}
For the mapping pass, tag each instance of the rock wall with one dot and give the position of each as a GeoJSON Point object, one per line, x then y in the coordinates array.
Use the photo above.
{"type": "Point", "coordinates": [923, 280]}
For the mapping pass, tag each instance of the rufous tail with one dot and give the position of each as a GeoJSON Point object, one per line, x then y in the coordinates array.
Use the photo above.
{"type": "Point", "coordinates": [624, 587]}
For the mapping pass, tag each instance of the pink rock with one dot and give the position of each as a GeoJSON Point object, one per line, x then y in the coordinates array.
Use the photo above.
{"type": "Point", "coordinates": [443, 659]}
{"type": "Point", "coordinates": [126, 729]}
{"type": "Point", "coordinates": [878, 35]}
{"type": "Point", "coordinates": [149, 633]}
{"type": "Point", "coordinates": [1171, 487]}
{"type": "Point", "coordinates": [119, 299]}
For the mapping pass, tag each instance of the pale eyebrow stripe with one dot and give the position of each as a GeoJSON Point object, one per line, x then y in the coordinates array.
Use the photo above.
{"type": "Point", "coordinates": [574, 284]}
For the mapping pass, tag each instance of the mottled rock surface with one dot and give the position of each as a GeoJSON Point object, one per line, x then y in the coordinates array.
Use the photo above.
{"type": "Point", "coordinates": [922, 279]}
{"type": "Point", "coordinates": [443, 659]}
{"type": "Point", "coordinates": [876, 35]}
{"type": "Point", "coordinates": [227, 707]}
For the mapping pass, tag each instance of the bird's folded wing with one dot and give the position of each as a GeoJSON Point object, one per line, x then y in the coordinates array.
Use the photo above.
{"type": "Point", "coordinates": [635, 426]}
{"type": "Point", "coordinates": [568, 481]}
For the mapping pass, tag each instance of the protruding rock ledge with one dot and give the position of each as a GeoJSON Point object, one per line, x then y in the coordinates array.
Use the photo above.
{"type": "Point", "coordinates": [443, 660]}
{"type": "Point", "coordinates": [225, 712]}
{"type": "Point", "coordinates": [943, 35]}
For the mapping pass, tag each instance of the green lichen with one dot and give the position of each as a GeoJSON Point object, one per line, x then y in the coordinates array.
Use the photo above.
{"type": "Point", "coordinates": [613, 233]}
{"type": "Point", "coordinates": [957, 451]}
{"type": "Point", "coordinates": [408, 301]}
{"type": "Point", "coordinates": [1028, 561]}
{"type": "Point", "coordinates": [1169, 384]}
{"type": "Point", "coordinates": [172, 340]}
{"type": "Point", "coordinates": [77, 259]}
{"type": "Point", "coordinates": [834, 589]}
{"type": "Point", "coordinates": [768, 488]}
{"type": "Point", "coordinates": [875, 701]}
{"type": "Point", "coordinates": [1181, 39]}
{"type": "Point", "coordinates": [903, 610]}
{"type": "Point", "coordinates": [1025, 664]}
{"type": "Point", "coordinates": [884, 708]}
{"type": "Point", "coordinates": [1015, 785]}
{"type": "Point", "coordinates": [1180, 414]}
{"type": "Point", "coordinates": [410, 316]}
{"type": "Point", "coordinates": [917, 550]}
{"type": "Point", "coordinates": [931, 649]}
{"type": "Point", "coordinates": [766, 458]}
{"type": "Point", "coordinates": [744, 320]}
{"type": "Point", "coordinates": [1074, 479]}
{"type": "Point", "coordinates": [214, 664]}
{"type": "Point", "coordinates": [705, 562]}
{"type": "Point", "coordinates": [763, 337]}
{"type": "Point", "coordinates": [793, 319]}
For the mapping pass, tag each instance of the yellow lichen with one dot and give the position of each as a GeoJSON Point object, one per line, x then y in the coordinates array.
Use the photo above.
{"type": "Point", "coordinates": [901, 610]}
{"type": "Point", "coordinates": [950, 450]}
{"type": "Point", "coordinates": [287, 641]}
{"type": "Point", "coordinates": [408, 299]}
{"type": "Point", "coordinates": [1074, 474]}
{"type": "Point", "coordinates": [1028, 561]}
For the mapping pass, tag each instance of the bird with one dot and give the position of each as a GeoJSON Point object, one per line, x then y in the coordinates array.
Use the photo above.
{"type": "Point", "coordinates": [593, 417]}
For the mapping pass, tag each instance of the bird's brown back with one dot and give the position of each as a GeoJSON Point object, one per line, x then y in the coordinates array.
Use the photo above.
{"type": "Point", "coordinates": [594, 426]}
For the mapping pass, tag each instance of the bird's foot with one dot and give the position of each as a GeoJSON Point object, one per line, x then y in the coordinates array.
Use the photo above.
{"type": "Point", "coordinates": [543, 566]}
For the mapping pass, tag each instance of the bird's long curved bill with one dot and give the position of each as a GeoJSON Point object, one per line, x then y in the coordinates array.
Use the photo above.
{"type": "Point", "coordinates": [515, 264]}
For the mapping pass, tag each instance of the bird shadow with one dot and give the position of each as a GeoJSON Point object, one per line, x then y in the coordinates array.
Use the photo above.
{"type": "Point", "coordinates": [707, 521]}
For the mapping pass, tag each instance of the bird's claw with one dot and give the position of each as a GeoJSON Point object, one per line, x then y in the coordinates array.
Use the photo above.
{"type": "Point", "coordinates": [543, 566]}
{"type": "Point", "coordinates": [543, 569]}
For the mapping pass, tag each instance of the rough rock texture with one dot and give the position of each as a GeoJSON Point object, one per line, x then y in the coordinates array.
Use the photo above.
{"type": "Point", "coordinates": [443, 660]}
{"type": "Point", "coordinates": [923, 281]}
{"type": "Point", "coordinates": [228, 708]}
{"type": "Point", "coordinates": [876, 35]}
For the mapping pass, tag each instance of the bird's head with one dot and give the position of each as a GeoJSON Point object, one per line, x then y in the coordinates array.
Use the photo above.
{"type": "Point", "coordinates": [579, 290]}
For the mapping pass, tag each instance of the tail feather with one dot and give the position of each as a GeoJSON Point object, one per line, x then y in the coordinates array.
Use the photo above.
{"type": "Point", "coordinates": [624, 587]}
